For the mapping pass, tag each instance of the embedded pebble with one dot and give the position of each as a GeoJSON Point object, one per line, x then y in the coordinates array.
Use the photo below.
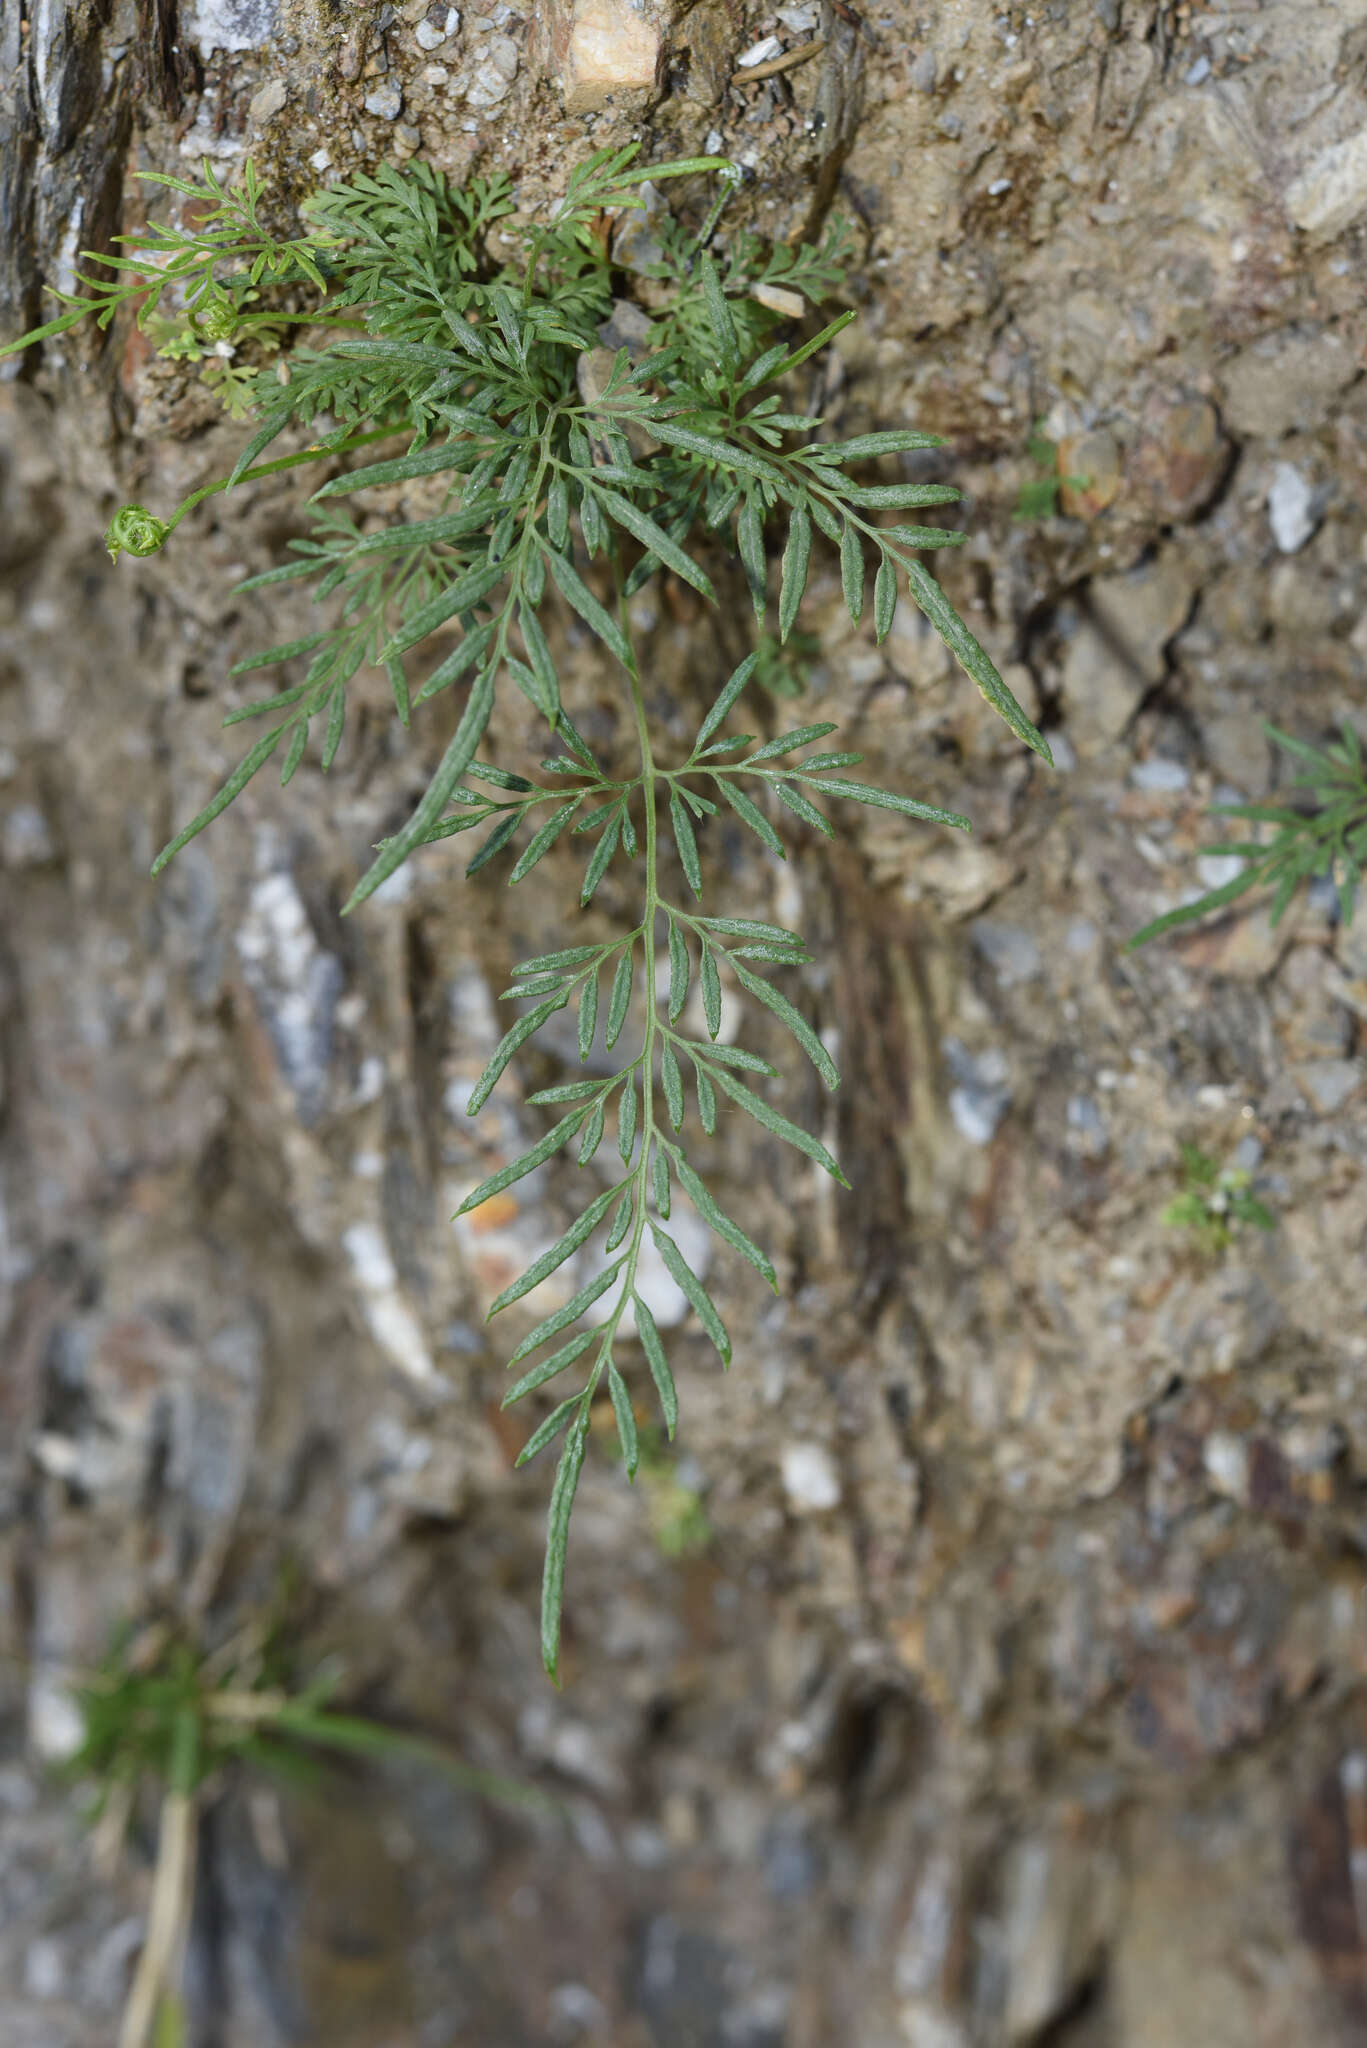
{"type": "Point", "coordinates": [267, 103]}
{"type": "Point", "coordinates": [1009, 951]}
{"type": "Point", "coordinates": [431, 36]}
{"type": "Point", "coordinates": [494, 75]}
{"type": "Point", "coordinates": [1215, 869]}
{"type": "Point", "coordinates": [1159, 775]}
{"type": "Point", "coordinates": [1290, 509]}
{"type": "Point", "coordinates": [1227, 1465]}
{"type": "Point", "coordinates": [385, 101]}
{"type": "Point", "coordinates": [295, 983]}
{"type": "Point", "coordinates": [1088, 1125]}
{"type": "Point", "coordinates": [26, 839]}
{"type": "Point", "coordinates": [393, 1325]}
{"type": "Point", "coordinates": [982, 1095]}
{"type": "Point", "coordinates": [1329, 1083]}
{"type": "Point", "coordinates": [977, 1113]}
{"type": "Point", "coordinates": [56, 1725]}
{"type": "Point", "coordinates": [1331, 191]}
{"type": "Point", "coordinates": [810, 1479]}
{"type": "Point", "coordinates": [759, 53]}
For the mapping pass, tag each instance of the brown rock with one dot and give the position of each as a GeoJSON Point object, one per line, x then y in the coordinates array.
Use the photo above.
{"type": "Point", "coordinates": [604, 50]}
{"type": "Point", "coordinates": [1089, 466]}
{"type": "Point", "coordinates": [1181, 457]}
{"type": "Point", "coordinates": [1118, 651]}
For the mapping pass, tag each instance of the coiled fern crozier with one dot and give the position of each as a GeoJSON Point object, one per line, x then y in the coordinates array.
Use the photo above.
{"type": "Point", "coordinates": [585, 486]}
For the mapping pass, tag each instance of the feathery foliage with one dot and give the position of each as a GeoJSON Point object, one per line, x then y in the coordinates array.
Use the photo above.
{"type": "Point", "coordinates": [1324, 839]}
{"type": "Point", "coordinates": [572, 473]}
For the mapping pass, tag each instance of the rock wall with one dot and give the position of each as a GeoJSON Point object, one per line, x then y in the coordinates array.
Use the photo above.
{"type": "Point", "coordinates": [988, 1667]}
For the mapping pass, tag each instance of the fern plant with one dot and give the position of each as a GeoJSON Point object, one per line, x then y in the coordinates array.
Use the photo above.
{"type": "Point", "coordinates": [1324, 839]}
{"type": "Point", "coordinates": [576, 475]}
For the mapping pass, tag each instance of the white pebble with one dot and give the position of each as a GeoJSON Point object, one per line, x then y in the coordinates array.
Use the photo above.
{"type": "Point", "coordinates": [385, 102]}
{"type": "Point", "coordinates": [1159, 774]}
{"type": "Point", "coordinates": [1215, 869]}
{"type": "Point", "coordinates": [810, 1479]}
{"type": "Point", "coordinates": [1291, 509]}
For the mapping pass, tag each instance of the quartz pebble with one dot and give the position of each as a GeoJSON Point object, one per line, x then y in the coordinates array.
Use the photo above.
{"type": "Point", "coordinates": [385, 101]}
{"type": "Point", "coordinates": [431, 35]}
{"type": "Point", "coordinates": [494, 73]}
{"type": "Point", "coordinates": [1290, 509]}
{"type": "Point", "coordinates": [810, 1479]}
{"type": "Point", "coordinates": [1159, 775]}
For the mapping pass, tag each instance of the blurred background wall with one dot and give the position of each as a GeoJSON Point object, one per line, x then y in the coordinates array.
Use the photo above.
{"type": "Point", "coordinates": [985, 1662]}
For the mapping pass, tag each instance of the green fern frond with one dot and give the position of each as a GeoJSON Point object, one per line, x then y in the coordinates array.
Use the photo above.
{"type": "Point", "coordinates": [453, 346]}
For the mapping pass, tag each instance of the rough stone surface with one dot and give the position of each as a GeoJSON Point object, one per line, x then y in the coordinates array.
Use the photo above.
{"type": "Point", "coordinates": [1331, 192]}
{"type": "Point", "coordinates": [986, 1661]}
{"type": "Point", "coordinates": [604, 51]}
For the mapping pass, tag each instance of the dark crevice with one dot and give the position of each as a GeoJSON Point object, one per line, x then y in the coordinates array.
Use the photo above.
{"type": "Point", "coordinates": [206, 1969]}
{"type": "Point", "coordinates": [1078, 2016]}
{"type": "Point", "coordinates": [427, 1014]}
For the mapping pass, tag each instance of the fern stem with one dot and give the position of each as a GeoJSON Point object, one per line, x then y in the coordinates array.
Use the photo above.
{"type": "Point", "coordinates": [652, 905]}
{"type": "Point", "coordinates": [313, 454]}
{"type": "Point", "coordinates": [645, 1059]}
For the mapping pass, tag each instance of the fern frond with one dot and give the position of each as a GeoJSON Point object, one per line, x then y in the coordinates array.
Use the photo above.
{"type": "Point", "coordinates": [458, 353]}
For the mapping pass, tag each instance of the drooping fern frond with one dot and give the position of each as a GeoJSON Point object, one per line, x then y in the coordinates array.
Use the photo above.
{"type": "Point", "coordinates": [566, 476]}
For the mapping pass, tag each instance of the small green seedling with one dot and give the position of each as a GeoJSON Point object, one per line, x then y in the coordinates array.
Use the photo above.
{"type": "Point", "coordinates": [676, 1511]}
{"type": "Point", "coordinates": [1038, 496]}
{"type": "Point", "coordinates": [1215, 1204]}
